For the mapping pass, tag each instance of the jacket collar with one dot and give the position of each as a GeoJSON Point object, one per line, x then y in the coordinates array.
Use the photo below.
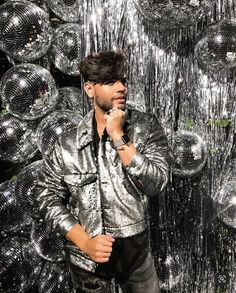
{"type": "Point", "coordinates": [85, 130]}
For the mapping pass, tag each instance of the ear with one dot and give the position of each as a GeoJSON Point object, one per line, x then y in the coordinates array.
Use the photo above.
{"type": "Point", "coordinates": [89, 89]}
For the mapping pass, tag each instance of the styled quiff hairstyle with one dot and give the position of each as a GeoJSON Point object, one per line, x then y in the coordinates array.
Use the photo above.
{"type": "Point", "coordinates": [103, 67]}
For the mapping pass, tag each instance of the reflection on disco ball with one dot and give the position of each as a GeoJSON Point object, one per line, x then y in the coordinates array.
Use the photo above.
{"type": "Point", "coordinates": [172, 271]}
{"type": "Point", "coordinates": [20, 265]}
{"type": "Point", "coordinates": [172, 14]}
{"type": "Point", "coordinates": [70, 98]}
{"type": "Point", "coordinates": [68, 10]}
{"type": "Point", "coordinates": [47, 244]}
{"type": "Point", "coordinates": [11, 214]}
{"type": "Point", "coordinates": [16, 143]}
{"type": "Point", "coordinates": [54, 125]}
{"type": "Point", "coordinates": [25, 188]}
{"type": "Point", "coordinates": [225, 202]}
{"type": "Point", "coordinates": [190, 153]}
{"type": "Point", "coordinates": [66, 48]}
{"type": "Point", "coordinates": [55, 277]}
{"type": "Point", "coordinates": [25, 31]}
{"type": "Point", "coordinates": [29, 91]}
{"type": "Point", "coordinates": [216, 50]}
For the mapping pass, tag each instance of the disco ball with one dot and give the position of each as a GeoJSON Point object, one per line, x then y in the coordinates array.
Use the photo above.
{"type": "Point", "coordinates": [66, 48]}
{"type": "Point", "coordinates": [47, 244]}
{"type": "Point", "coordinates": [173, 271]}
{"type": "Point", "coordinates": [25, 188]}
{"type": "Point", "coordinates": [20, 265]}
{"type": "Point", "coordinates": [11, 214]}
{"type": "Point", "coordinates": [68, 10]}
{"type": "Point", "coordinates": [25, 30]}
{"type": "Point", "coordinates": [70, 98]}
{"type": "Point", "coordinates": [16, 139]}
{"type": "Point", "coordinates": [216, 50]}
{"type": "Point", "coordinates": [190, 153]}
{"type": "Point", "coordinates": [54, 125]}
{"type": "Point", "coordinates": [172, 14]}
{"type": "Point", "coordinates": [225, 203]}
{"type": "Point", "coordinates": [28, 91]}
{"type": "Point", "coordinates": [55, 277]}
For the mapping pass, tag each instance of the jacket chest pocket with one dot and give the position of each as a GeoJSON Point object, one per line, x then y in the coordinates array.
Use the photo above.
{"type": "Point", "coordinates": [83, 189]}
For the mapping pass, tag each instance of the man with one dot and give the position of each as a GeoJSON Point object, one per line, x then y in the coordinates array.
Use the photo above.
{"type": "Point", "coordinates": [96, 181]}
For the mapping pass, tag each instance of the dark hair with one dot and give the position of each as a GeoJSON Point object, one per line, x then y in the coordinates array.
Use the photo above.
{"type": "Point", "coordinates": [103, 67]}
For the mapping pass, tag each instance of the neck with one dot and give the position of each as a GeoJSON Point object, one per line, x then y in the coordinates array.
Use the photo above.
{"type": "Point", "coordinates": [99, 116]}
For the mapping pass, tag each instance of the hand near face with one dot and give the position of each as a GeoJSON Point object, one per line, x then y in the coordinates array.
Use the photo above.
{"type": "Point", "coordinates": [115, 119]}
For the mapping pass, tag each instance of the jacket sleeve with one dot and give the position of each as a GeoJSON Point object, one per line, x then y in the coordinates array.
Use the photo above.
{"type": "Point", "coordinates": [52, 193]}
{"type": "Point", "coordinates": [151, 165]}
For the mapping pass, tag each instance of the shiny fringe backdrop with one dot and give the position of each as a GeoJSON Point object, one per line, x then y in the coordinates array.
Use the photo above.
{"type": "Point", "coordinates": [182, 58]}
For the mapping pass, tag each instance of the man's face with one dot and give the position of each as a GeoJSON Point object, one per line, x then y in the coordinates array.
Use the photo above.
{"type": "Point", "coordinates": [110, 94]}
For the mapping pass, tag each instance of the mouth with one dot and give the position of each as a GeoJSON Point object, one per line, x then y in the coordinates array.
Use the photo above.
{"type": "Point", "coordinates": [120, 99]}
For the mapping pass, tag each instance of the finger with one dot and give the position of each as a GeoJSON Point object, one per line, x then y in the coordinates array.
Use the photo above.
{"type": "Point", "coordinates": [102, 260]}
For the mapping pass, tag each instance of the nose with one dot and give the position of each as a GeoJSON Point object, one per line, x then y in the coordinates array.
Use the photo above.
{"type": "Point", "coordinates": [121, 87]}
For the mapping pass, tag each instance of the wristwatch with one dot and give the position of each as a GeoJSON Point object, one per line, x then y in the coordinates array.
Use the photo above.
{"type": "Point", "coordinates": [123, 140]}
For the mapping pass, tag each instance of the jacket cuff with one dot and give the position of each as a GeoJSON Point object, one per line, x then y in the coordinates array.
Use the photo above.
{"type": "Point", "coordinates": [67, 224]}
{"type": "Point", "coordinates": [134, 167]}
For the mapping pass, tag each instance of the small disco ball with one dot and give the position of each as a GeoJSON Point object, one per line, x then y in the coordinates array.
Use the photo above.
{"type": "Point", "coordinates": [28, 91]}
{"type": "Point", "coordinates": [25, 30]}
{"type": "Point", "coordinates": [225, 203]}
{"type": "Point", "coordinates": [190, 153]}
{"type": "Point", "coordinates": [67, 10]}
{"type": "Point", "coordinates": [11, 214]}
{"type": "Point", "coordinates": [47, 244]}
{"type": "Point", "coordinates": [16, 139]}
{"type": "Point", "coordinates": [172, 14]}
{"type": "Point", "coordinates": [25, 188]}
{"type": "Point", "coordinates": [216, 50]}
{"type": "Point", "coordinates": [66, 48]}
{"type": "Point", "coordinates": [20, 265]}
{"type": "Point", "coordinates": [54, 125]}
{"type": "Point", "coordinates": [173, 271]}
{"type": "Point", "coordinates": [55, 277]}
{"type": "Point", "coordinates": [70, 98]}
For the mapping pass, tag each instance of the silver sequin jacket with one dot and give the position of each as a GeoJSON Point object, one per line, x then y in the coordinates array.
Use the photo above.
{"type": "Point", "coordinates": [101, 194]}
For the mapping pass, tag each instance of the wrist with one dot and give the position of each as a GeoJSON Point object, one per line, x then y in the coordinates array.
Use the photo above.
{"type": "Point", "coordinates": [117, 135]}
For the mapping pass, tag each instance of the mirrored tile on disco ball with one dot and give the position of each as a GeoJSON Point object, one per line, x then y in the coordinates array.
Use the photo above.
{"type": "Point", "coordinates": [29, 91]}
{"type": "Point", "coordinates": [12, 217]}
{"type": "Point", "coordinates": [48, 244]}
{"type": "Point", "coordinates": [54, 125]}
{"type": "Point", "coordinates": [20, 265]}
{"type": "Point", "coordinates": [66, 48]}
{"type": "Point", "coordinates": [16, 139]}
{"type": "Point", "coordinates": [25, 190]}
{"type": "Point", "coordinates": [190, 153]}
{"type": "Point", "coordinates": [17, 38]}
{"type": "Point", "coordinates": [70, 98]}
{"type": "Point", "coordinates": [68, 10]}
{"type": "Point", "coordinates": [225, 202]}
{"type": "Point", "coordinates": [55, 277]}
{"type": "Point", "coordinates": [172, 14]}
{"type": "Point", "coordinates": [216, 50]}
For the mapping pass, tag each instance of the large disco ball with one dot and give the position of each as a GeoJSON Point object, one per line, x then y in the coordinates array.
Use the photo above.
{"type": "Point", "coordinates": [55, 277]}
{"type": "Point", "coordinates": [216, 50]}
{"type": "Point", "coordinates": [11, 214]}
{"type": "Point", "coordinates": [25, 30]}
{"type": "Point", "coordinates": [20, 265]}
{"type": "Point", "coordinates": [54, 125]}
{"type": "Point", "coordinates": [48, 244]}
{"type": "Point", "coordinates": [172, 14]}
{"type": "Point", "coordinates": [17, 142]}
{"type": "Point", "coordinates": [225, 203]}
{"type": "Point", "coordinates": [70, 98]}
{"type": "Point", "coordinates": [190, 153]}
{"type": "Point", "coordinates": [25, 190]}
{"type": "Point", "coordinates": [28, 91]}
{"type": "Point", "coordinates": [66, 48]}
{"type": "Point", "coordinates": [68, 10]}
{"type": "Point", "coordinates": [173, 271]}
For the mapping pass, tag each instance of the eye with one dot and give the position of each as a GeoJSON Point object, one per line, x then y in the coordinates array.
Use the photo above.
{"type": "Point", "coordinates": [124, 81]}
